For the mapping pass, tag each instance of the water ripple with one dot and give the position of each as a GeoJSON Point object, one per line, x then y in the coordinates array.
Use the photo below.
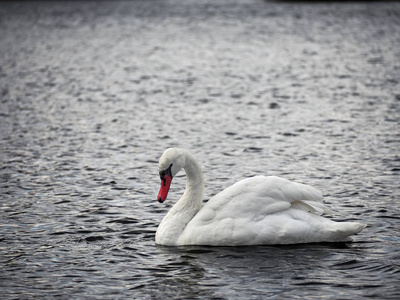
{"type": "Point", "coordinates": [92, 94]}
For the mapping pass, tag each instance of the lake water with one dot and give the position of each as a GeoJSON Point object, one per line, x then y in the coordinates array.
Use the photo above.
{"type": "Point", "coordinates": [92, 93]}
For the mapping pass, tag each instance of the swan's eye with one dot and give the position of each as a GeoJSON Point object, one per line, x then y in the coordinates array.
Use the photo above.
{"type": "Point", "coordinates": [166, 172]}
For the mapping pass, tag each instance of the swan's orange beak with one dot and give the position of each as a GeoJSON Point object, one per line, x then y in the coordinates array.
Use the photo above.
{"type": "Point", "coordinates": [165, 184]}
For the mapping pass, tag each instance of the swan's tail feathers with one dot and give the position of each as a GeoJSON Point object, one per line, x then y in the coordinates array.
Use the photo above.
{"type": "Point", "coordinates": [357, 227]}
{"type": "Point", "coordinates": [314, 207]}
{"type": "Point", "coordinates": [344, 230]}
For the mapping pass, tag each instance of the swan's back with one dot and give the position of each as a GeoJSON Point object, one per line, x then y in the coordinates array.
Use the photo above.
{"type": "Point", "coordinates": [265, 210]}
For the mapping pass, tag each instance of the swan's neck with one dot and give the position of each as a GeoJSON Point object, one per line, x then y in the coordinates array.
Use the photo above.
{"type": "Point", "coordinates": [173, 224]}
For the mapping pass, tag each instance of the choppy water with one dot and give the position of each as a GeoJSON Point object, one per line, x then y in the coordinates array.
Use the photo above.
{"type": "Point", "coordinates": [92, 93]}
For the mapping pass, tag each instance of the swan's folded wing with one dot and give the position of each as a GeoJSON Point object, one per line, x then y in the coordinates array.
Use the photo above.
{"type": "Point", "coordinates": [257, 196]}
{"type": "Point", "coordinates": [292, 191]}
{"type": "Point", "coordinates": [301, 196]}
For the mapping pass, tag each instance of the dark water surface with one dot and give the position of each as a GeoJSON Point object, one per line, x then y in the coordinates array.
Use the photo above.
{"type": "Point", "coordinates": [93, 92]}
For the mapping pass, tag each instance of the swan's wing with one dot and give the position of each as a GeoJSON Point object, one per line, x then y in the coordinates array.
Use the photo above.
{"type": "Point", "coordinates": [253, 198]}
{"type": "Point", "coordinates": [262, 195]}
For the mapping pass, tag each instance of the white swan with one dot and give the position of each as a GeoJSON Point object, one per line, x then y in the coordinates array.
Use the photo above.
{"type": "Point", "coordinates": [255, 211]}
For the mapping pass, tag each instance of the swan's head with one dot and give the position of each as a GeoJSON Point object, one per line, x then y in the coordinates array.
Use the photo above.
{"type": "Point", "coordinates": [170, 163]}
